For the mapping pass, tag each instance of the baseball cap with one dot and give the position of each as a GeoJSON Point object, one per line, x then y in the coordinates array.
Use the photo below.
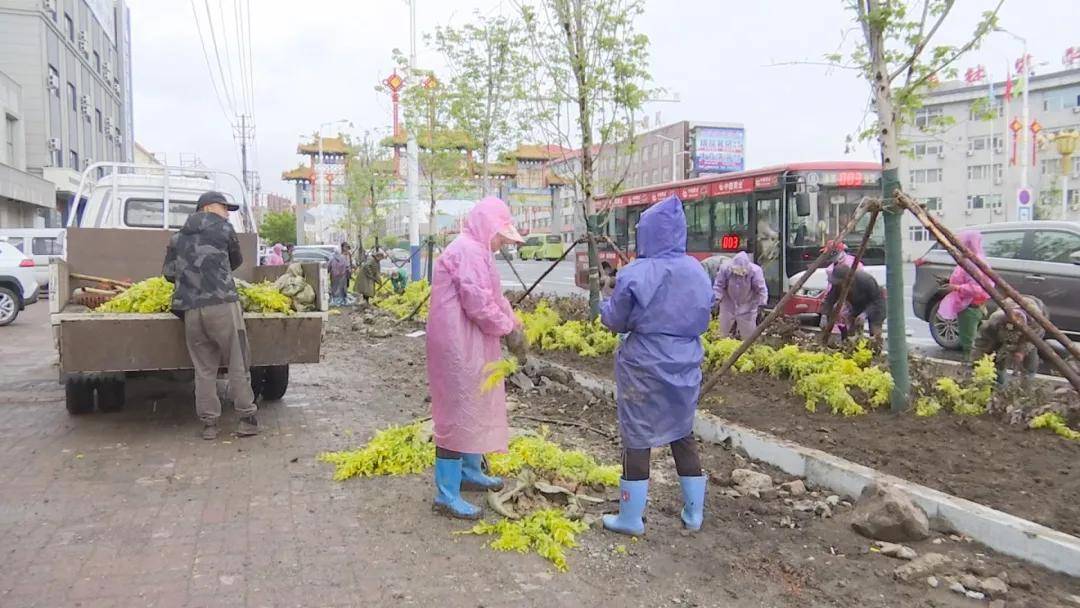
{"type": "Point", "coordinates": [211, 197]}
{"type": "Point", "coordinates": [511, 233]}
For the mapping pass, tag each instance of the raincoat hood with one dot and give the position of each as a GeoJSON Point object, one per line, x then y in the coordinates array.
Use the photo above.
{"type": "Point", "coordinates": [485, 219]}
{"type": "Point", "coordinates": [740, 265]}
{"type": "Point", "coordinates": [972, 240]}
{"type": "Point", "coordinates": [278, 248]}
{"type": "Point", "coordinates": [201, 220]}
{"type": "Point", "coordinates": [661, 231]}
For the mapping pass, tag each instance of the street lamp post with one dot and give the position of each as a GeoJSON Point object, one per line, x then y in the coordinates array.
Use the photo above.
{"type": "Point", "coordinates": [1026, 61]}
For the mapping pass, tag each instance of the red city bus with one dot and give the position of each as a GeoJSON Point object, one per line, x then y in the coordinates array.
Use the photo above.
{"type": "Point", "coordinates": [780, 215]}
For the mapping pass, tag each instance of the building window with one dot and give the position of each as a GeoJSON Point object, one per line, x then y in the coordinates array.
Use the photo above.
{"type": "Point", "coordinates": [97, 62]}
{"type": "Point", "coordinates": [1061, 100]}
{"type": "Point", "coordinates": [981, 172]}
{"type": "Point", "coordinates": [918, 234]}
{"type": "Point", "coordinates": [73, 97]}
{"type": "Point", "coordinates": [73, 159]}
{"type": "Point", "coordinates": [656, 176]}
{"type": "Point", "coordinates": [981, 144]}
{"type": "Point", "coordinates": [97, 116]}
{"type": "Point", "coordinates": [54, 77]}
{"type": "Point", "coordinates": [9, 140]}
{"type": "Point", "coordinates": [928, 149]}
{"type": "Point", "coordinates": [70, 25]}
{"type": "Point", "coordinates": [933, 203]}
{"type": "Point", "coordinates": [925, 176]}
{"type": "Point", "coordinates": [927, 117]}
{"type": "Point", "coordinates": [981, 111]}
{"type": "Point", "coordinates": [983, 201]}
{"type": "Point", "coordinates": [1050, 166]}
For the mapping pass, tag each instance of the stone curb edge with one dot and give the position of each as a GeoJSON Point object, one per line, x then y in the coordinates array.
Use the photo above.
{"type": "Point", "coordinates": [1000, 531]}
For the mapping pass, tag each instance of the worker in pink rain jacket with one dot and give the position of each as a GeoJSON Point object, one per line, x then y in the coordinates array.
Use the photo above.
{"type": "Point", "coordinates": [740, 291]}
{"type": "Point", "coordinates": [274, 257]}
{"type": "Point", "coordinates": [966, 297]}
{"type": "Point", "coordinates": [468, 317]}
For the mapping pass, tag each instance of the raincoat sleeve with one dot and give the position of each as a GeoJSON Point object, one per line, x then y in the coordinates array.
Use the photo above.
{"type": "Point", "coordinates": [615, 311]}
{"type": "Point", "coordinates": [480, 304]}
{"type": "Point", "coordinates": [761, 290]}
{"type": "Point", "coordinates": [720, 285]}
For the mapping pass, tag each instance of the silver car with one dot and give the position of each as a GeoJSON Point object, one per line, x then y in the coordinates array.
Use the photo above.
{"type": "Point", "coordinates": [1040, 259]}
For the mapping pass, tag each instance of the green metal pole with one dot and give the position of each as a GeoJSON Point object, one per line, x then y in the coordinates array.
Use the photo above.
{"type": "Point", "coordinates": [894, 284]}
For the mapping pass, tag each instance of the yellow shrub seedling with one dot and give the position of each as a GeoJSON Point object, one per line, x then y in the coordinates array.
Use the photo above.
{"type": "Point", "coordinates": [398, 450]}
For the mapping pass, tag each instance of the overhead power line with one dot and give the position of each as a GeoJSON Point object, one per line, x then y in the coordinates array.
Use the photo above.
{"type": "Point", "coordinates": [209, 68]}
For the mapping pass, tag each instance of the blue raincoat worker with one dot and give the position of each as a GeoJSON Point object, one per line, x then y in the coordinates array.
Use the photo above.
{"type": "Point", "coordinates": [663, 301]}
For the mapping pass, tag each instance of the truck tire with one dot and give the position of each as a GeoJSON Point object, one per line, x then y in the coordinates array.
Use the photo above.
{"type": "Point", "coordinates": [275, 383]}
{"type": "Point", "coordinates": [79, 395]}
{"type": "Point", "coordinates": [110, 395]}
{"type": "Point", "coordinates": [258, 379]}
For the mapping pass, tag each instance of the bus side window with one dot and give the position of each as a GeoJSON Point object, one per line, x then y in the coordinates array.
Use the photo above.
{"type": "Point", "coordinates": [732, 215]}
{"type": "Point", "coordinates": [620, 233]}
{"type": "Point", "coordinates": [632, 217]}
{"type": "Point", "coordinates": [698, 225]}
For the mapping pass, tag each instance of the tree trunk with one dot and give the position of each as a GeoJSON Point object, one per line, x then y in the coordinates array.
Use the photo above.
{"type": "Point", "coordinates": [894, 258]}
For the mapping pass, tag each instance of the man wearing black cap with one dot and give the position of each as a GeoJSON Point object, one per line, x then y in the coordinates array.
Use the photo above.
{"type": "Point", "coordinates": [199, 260]}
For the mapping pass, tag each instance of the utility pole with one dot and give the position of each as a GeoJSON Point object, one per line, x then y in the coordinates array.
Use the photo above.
{"type": "Point", "coordinates": [244, 132]}
{"type": "Point", "coordinates": [412, 185]}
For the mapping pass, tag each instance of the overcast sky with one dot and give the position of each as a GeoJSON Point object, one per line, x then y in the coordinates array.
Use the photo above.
{"type": "Point", "coordinates": [319, 61]}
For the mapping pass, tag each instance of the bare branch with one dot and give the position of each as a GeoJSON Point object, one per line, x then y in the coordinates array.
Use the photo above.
{"type": "Point", "coordinates": [976, 39]}
{"type": "Point", "coordinates": [909, 63]}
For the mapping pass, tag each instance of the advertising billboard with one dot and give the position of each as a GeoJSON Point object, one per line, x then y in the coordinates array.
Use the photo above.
{"type": "Point", "coordinates": [718, 149]}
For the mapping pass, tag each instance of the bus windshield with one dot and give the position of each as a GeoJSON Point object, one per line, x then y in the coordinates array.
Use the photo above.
{"type": "Point", "coordinates": [830, 210]}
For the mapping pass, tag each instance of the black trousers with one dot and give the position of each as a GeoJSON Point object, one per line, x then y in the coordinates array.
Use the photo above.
{"type": "Point", "coordinates": [687, 460]}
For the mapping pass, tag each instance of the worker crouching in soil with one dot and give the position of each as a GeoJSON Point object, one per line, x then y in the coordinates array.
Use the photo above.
{"type": "Point", "coordinates": [468, 316]}
{"type": "Point", "coordinates": [1001, 336]}
{"type": "Point", "coordinates": [663, 301]}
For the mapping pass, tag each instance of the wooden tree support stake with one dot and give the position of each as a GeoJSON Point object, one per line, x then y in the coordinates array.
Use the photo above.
{"type": "Point", "coordinates": [779, 308]}
{"type": "Point", "coordinates": [994, 285]}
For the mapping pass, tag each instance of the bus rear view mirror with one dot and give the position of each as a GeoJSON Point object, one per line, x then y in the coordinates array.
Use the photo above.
{"type": "Point", "coordinates": [802, 204]}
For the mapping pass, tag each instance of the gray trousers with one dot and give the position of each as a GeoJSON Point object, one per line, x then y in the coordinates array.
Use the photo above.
{"type": "Point", "coordinates": [216, 337]}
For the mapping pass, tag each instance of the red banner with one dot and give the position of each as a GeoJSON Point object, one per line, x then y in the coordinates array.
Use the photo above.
{"type": "Point", "coordinates": [766, 182]}
{"type": "Point", "coordinates": [731, 186]}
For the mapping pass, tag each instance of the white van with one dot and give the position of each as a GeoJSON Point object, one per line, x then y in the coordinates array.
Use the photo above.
{"type": "Point", "coordinates": [42, 244]}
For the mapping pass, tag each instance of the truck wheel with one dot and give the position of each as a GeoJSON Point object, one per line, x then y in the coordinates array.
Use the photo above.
{"type": "Point", "coordinates": [258, 379]}
{"type": "Point", "coordinates": [111, 395]}
{"type": "Point", "coordinates": [276, 382]}
{"type": "Point", "coordinates": [79, 395]}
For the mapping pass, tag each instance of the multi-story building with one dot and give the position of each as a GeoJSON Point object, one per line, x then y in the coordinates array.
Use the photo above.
{"type": "Point", "coordinates": [72, 60]}
{"type": "Point", "coordinates": [26, 200]}
{"type": "Point", "coordinates": [673, 152]}
{"type": "Point", "coordinates": [276, 203]}
{"type": "Point", "coordinates": [966, 163]}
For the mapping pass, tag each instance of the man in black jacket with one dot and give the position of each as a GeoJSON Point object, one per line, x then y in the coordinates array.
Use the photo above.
{"type": "Point", "coordinates": [199, 260]}
{"type": "Point", "coordinates": [864, 296]}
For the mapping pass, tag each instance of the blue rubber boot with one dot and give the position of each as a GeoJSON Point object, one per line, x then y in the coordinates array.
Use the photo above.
{"type": "Point", "coordinates": [631, 508]}
{"type": "Point", "coordinates": [693, 493]}
{"type": "Point", "coordinates": [473, 477]}
{"type": "Point", "coordinates": [448, 491]}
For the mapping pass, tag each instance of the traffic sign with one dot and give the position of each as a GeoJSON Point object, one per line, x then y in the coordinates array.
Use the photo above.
{"type": "Point", "coordinates": [1023, 214]}
{"type": "Point", "coordinates": [1023, 197]}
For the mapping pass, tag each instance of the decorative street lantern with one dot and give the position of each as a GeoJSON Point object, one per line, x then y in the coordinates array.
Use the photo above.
{"type": "Point", "coordinates": [1065, 141]}
{"type": "Point", "coordinates": [395, 83]}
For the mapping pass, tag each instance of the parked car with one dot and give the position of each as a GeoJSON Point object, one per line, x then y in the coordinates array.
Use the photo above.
{"type": "Point", "coordinates": [1040, 259]}
{"type": "Point", "coordinates": [18, 284]}
{"type": "Point", "coordinates": [43, 245]}
{"type": "Point", "coordinates": [313, 253]}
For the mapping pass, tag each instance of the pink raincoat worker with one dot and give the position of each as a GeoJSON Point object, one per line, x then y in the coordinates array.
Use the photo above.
{"type": "Point", "coordinates": [468, 317]}
{"type": "Point", "coordinates": [740, 291]}
{"type": "Point", "coordinates": [274, 258]}
{"type": "Point", "coordinates": [964, 302]}
{"type": "Point", "coordinates": [841, 257]}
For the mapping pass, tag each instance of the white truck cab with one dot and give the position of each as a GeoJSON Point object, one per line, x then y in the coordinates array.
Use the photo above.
{"type": "Point", "coordinates": [125, 195]}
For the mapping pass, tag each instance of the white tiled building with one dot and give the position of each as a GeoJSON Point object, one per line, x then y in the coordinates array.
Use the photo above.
{"type": "Point", "coordinates": [963, 171]}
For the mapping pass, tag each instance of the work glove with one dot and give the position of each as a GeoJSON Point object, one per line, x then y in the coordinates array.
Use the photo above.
{"type": "Point", "coordinates": [517, 344]}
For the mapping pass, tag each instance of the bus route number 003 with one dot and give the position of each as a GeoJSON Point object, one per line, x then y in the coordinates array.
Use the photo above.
{"type": "Point", "coordinates": [730, 242]}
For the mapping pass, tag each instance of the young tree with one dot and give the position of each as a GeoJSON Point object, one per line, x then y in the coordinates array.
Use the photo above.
{"type": "Point", "coordinates": [900, 61]}
{"type": "Point", "coordinates": [590, 79]}
{"type": "Point", "coordinates": [367, 183]}
{"type": "Point", "coordinates": [278, 227]}
{"type": "Point", "coordinates": [487, 69]}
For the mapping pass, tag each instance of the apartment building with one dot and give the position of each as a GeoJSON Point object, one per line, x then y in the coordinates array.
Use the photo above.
{"type": "Point", "coordinates": [72, 61]}
{"type": "Point", "coordinates": [26, 200]}
{"type": "Point", "coordinates": [967, 154]}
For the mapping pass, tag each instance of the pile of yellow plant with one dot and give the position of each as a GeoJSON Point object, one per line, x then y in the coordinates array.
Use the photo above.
{"type": "Point", "coordinates": [546, 330]}
{"type": "Point", "coordinates": [543, 456]}
{"type": "Point", "coordinates": [401, 305]}
{"type": "Point", "coordinates": [547, 532]}
{"type": "Point", "coordinates": [398, 450]}
{"type": "Point", "coordinates": [149, 296]}
{"type": "Point", "coordinates": [1056, 423]}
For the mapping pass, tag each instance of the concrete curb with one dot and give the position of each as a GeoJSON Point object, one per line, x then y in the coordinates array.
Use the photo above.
{"type": "Point", "coordinates": [1000, 531]}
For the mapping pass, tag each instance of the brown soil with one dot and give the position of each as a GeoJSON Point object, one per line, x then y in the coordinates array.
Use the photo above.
{"type": "Point", "coordinates": [1030, 474]}
{"type": "Point", "coordinates": [742, 557]}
